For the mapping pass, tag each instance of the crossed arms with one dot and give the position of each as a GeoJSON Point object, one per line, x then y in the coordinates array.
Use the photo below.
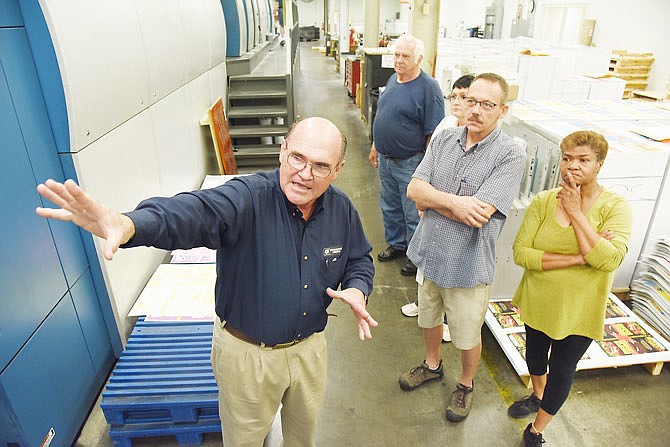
{"type": "Point", "coordinates": [465, 209]}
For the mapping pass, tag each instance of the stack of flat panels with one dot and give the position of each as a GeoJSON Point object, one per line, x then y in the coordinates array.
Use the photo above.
{"type": "Point", "coordinates": [650, 291]}
{"type": "Point", "coordinates": [163, 384]}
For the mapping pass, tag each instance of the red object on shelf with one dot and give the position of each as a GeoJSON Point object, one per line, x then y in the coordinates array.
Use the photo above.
{"type": "Point", "coordinates": [352, 75]}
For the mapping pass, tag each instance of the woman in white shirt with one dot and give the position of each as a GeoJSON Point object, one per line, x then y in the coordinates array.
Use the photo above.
{"type": "Point", "coordinates": [457, 103]}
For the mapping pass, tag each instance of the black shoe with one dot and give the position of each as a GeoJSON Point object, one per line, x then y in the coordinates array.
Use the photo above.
{"type": "Point", "coordinates": [532, 439]}
{"type": "Point", "coordinates": [524, 407]}
{"type": "Point", "coordinates": [409, 269]}
{"type": "Point", "coordinates": [390, 253]}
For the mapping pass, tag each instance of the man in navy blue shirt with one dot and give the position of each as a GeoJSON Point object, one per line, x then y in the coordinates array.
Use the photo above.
{"type": "Point", "coordinates": [286, 241]}
{"type": "Point", "coordinates": [408, 111]}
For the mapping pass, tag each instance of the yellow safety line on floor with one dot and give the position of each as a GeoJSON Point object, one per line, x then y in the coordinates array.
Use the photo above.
{"type": "Point", "coordinates": [503, 389]}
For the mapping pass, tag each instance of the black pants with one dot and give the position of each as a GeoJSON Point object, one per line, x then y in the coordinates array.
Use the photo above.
{"type": "Point", "coordinates": [565, 354]}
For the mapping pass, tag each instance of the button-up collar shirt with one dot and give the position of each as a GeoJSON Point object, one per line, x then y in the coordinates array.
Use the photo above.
{"type": "Point", "coordinates": [273, 267]}
{"type": "Point", "coordinates": [451, 253]}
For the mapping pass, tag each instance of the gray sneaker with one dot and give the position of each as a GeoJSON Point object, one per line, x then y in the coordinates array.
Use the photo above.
{"type": "Point", "coordinates": [416, 377]}
{"type": "Point", "coordinates": [460, 403]}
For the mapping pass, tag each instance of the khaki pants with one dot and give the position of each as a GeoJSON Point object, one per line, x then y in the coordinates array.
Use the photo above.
{"type": "Point", "coordinates": [253, 381]}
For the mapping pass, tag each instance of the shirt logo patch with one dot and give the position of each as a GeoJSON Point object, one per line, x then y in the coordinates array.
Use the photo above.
{"type": "Point", "coordinates": [331, 251]}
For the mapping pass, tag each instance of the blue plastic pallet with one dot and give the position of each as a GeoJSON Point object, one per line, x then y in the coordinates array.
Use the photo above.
{"type": "Point", "coordinates": [187, 435]}
{"type": "Point", "coordinates": [163, 384]}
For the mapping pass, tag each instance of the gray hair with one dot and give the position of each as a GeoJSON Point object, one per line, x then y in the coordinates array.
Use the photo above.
{"type": "Point", "coordinates": [417, 44]}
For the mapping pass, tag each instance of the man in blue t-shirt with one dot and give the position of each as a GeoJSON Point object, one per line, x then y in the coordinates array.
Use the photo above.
{"type": "Point", "coordinates": [408, 111]}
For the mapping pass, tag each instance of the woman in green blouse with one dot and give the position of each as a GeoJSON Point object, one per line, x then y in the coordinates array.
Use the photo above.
{"type": "Point", "coordinates": [570, 242]}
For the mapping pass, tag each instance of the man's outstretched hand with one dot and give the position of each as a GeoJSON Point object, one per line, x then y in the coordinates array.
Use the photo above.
{"type": "Point", "coordinates": [356, 300]}
{"type": "Point", "coordinates": [81, 209]}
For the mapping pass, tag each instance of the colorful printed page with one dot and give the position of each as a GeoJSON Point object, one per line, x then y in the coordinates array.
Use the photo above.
{"type": "Point", "coordinates": [178, 290]}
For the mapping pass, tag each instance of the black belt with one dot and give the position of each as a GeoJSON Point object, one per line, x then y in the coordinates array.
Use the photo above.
{"type": "Point", "coordinates": [390, 157]}
{"type": "Point", "coordinates": [245, 338]}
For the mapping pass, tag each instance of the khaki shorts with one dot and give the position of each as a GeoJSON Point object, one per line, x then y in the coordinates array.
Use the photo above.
{"type": "Point", "coordinates": [465, 309]}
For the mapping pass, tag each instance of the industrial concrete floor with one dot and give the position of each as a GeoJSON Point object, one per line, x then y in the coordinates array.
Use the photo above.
{"type": "Point", "coordinates": [365, 407]}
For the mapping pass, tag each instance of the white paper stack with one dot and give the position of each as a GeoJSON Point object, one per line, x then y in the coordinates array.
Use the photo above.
{"type": "Point", "coordinates": [650, 292]}
{"type": "Point", "coordinates": [553, 71]}
{"type": "Point", "coordinates": [537, 76]}
{"type": "Point", "coordinates": [571, 88]}
{"type": "Point", "coordinates": [606, 89]}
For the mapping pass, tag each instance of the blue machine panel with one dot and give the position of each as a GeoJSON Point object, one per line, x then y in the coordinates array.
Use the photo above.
{"type": "Point", "coordinates": [44, 57]}
{"type": "Point", "coordinates": [34, 124]}
{"type": "Point", "coordinates": [10, 14]}
{"type": "Point", "coordinates": [42, 388]}
{"type": "Point", "coordinates": [93, 326]}
{"type": "Point", "coordinates": [234, 37]}
{"type": "Point", "coordinates": [56, 346]}
{"type": "Point", "coordinates": [9, 426]}
{"type": "Point", "coordinates": [31, 278]}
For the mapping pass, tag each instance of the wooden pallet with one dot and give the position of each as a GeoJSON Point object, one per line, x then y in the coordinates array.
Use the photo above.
{"type": "Point", "coordinates": [633, 68]}
{"type": "Point", "coordinates": [504, 322]}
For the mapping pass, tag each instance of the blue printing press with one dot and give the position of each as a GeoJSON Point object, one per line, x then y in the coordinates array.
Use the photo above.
{"type": "Point", "coordinates": [163, 384]}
